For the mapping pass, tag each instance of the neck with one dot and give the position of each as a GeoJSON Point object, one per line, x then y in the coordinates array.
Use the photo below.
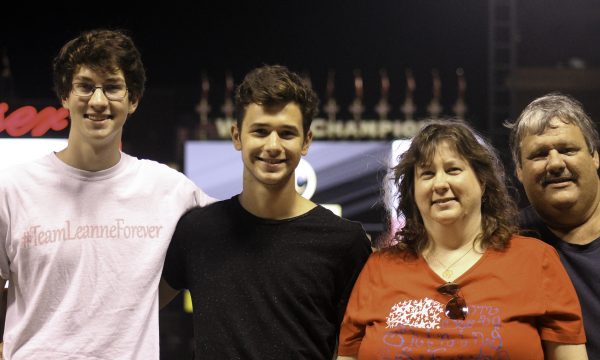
{"type": "Point", "coordinates": [272, 202]}
{"type": "Point", "coordinates": [444, 238]}
{"type": "Point", "coordinates": [450, 265]}
{"type": "Point", "coordinates": [581, 232]}
{"type": "Point", "coordinates": [451, 253]}
{"type": "Point", "coordinates": [90, 158]}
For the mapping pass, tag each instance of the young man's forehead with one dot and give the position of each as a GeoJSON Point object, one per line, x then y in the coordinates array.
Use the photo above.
{"type": "Point", "coordinates": [269, 124]}
{"type": "Point", "coordinates": [258, 111]}
{"type": "Point", "coordinates": [85, 72]}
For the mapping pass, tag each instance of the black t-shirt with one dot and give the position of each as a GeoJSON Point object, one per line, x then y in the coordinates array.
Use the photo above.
{"type": "Point", "coordinates": [582, 263]}
{"type": "Point", "coordinates": [265, 289]}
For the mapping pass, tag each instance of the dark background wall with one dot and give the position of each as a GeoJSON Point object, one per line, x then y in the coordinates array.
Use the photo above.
{"type": "Point", "coordinates": [179, 42]}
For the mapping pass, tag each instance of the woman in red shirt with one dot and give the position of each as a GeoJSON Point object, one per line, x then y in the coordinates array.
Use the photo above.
{"type": "Point", "coordinates": [459, 284]}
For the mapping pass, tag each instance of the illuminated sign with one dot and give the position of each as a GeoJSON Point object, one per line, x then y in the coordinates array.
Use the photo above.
{"type": "Point", "coordinates": [27, 119]}
{"type": "Point", "coordinates": [338, 129]}
{"type": "Point", "coordinates": [20, 150]}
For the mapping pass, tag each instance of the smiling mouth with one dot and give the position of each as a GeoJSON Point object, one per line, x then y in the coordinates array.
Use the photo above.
{"type": "Point", "coordinates": [443, 201]}
{"type": "Point", "coordinates": [97, 117]}
{"type": "Point", "coordinates": [560, 180]}
{"type": "Point", "coordinates": [272, 161]}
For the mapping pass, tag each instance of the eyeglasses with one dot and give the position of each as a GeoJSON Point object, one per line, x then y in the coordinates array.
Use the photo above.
{"type": "Point", "coordinates": [115, 92]}
{"type": "Point", "coordinates": [456, 308]}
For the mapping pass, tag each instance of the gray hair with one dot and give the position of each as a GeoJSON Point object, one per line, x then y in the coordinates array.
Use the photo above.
{"type": "Point", "coordinates": [536, 117]}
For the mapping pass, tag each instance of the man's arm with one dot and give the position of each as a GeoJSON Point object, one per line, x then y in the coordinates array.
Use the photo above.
{"type": "Point", "coordinates": [555, 351]}
{"type": "Point", "coordinates": [165, 293]}
{"type": "Point", "coordinates": [347, 358]}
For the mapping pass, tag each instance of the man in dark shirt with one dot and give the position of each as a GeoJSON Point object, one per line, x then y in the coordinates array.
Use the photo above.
{"type": "Point", "coordinates": [269, 271]}
{"type": "Point", "coordinates": [554, 146]}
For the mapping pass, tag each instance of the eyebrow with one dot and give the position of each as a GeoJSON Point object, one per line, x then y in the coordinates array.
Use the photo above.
{"type": "Point", "coordinates": [559, 144]}
{"type": "Point", "coordinates": [113, 79]}
{"type": "Point", "coordinates": [283, 127]}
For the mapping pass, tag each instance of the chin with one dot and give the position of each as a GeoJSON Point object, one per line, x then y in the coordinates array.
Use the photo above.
{"type": "Point", "coordinates": [272, 181]}
{"type": "Point", "coordinates": [557, 202]}
{"type": "Point", "coordinates": [446, 220]}
{"type": "Point", "coordinates": [561, 205]}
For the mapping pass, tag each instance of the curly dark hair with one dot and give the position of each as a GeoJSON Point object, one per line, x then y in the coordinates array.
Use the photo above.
{"type": "Point", "coordinates": [272, 85]}
{"type": "Point", "coordinates": [498, 210]}
{"type": "Point", "coordinates": [104, 51]}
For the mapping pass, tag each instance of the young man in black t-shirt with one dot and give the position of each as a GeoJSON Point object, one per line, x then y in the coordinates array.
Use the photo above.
{"type": "Point", "coordinates": [269, 271]}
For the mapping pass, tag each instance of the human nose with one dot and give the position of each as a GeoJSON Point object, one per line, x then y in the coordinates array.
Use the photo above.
{"type": "Point", "coordinates": [440, 183]}
{"type": "Point", "coordinates": [556, 163]}
{"type": "Point", "coordinates": [98, 98]}
{"type": "Point", "coordinates": [273, 142]}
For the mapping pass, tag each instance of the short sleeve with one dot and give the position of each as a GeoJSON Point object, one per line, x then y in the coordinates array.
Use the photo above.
{"type": "Point", "coordinates": [562, 321]}
{"type": "Point", "coordinates": [199, 197]}
{"type": "Point", "coordinates": [202, 199]}
{"type": "Point", "coordinates": [174, 270]}
{"type": "Point", "coordinates": [353, 325]}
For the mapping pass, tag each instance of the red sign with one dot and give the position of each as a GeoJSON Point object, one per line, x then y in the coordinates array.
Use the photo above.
{"type": "Point", "coordinates": [26, 119]}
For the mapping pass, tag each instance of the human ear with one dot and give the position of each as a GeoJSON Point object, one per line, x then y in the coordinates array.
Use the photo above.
{"type": "Point", "coordinates": [133, 106]}
{"type": "Point", "coordinates": [235, 137]}
{"type": "Point", "coordinates": [307, 141]}
{"type": "Point", "coordinates": [519, 172]}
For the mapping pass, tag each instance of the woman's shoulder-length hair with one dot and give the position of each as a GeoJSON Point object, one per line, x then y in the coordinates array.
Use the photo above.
{"type": "Point", "coordinates": [498, 209]}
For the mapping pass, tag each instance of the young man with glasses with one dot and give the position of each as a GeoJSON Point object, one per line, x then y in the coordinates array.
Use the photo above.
{"type": "Point", "coordinates": [84, 231]}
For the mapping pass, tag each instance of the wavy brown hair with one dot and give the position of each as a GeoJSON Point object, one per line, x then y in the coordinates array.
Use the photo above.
{"type": "Point", "coordinates": [498, 210]}
{"type": "Point", "coordinates": [104, 51]}
{"type": "Point", "coordinates": [273, 85]}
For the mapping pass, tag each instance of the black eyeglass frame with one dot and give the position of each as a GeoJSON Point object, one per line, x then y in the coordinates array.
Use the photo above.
{"type": "Point", "coordinates": [93, 89]}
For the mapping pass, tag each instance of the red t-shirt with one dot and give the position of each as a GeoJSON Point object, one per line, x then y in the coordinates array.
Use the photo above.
{"type": "Point", "coordinates": [516, 298]}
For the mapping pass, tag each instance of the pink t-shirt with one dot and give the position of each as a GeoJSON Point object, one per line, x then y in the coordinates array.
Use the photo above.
{"type": "Point", "coordinates": [83, 252]}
